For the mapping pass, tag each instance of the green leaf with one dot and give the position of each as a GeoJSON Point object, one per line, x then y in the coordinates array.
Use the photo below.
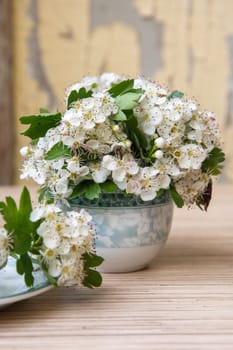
{"type": "Point", "coordinates": [92, 279]}
{"type": "Point", "coordinates": [73, 96]}
{"type": "Point", "coordinates": [178, 200]}
{"type": "Point", "coordinates": [57, 151]}
{"type": "Point", "coordinates": [25, 205]}
{"type": "Point", "coordinates": [24, 267]}
{"type": "Point", "coordinates": [128, 100]}
{"type": "Point", "coordinates": [120, 116]}
{"type": "Point", "coordinates": [83, 93]}
{"type": "Point", "coordinates": [175, 94]}
{"type": "Point", "coordinates": [19, 266]}
{"type": "Point", "coordinates": [22, 233]}
{"type": "Point", "coordinates": [160, 193]}
{"type": "Point", "coordinates": [108, 186]}
{"type": "Point", "coordinates": [40, 124]}
{"type": "Point", "coordinates": [93, 191]}
{"type": "Point", "coordinates": [9, 213]}
{"type": "Point", "coordinates": [121, 87]}
{"type": "Point", "coordinates": [212, 165]}
{"type": "Point", "coordinates": [44, 111]}
{"type": "Point", "coordinates": [137, 91]}
{"type": "Point", "coordinates": [78, 190]}
{"type": "Point", "coordinates": [45, 194]}
{"type": "Point", "coordinates": [17, 221]}
{"type": "Point", "coordinates": [90, 189]}
{"type": "Point", "coordinates": [132, 123]}
{"type": "Point", "coordinates": [92, 260]}
{"type": "Point", "coordinates": [77, 95]}
{"type": "Point", "coordinates": [22, 242]}
{"type": "Point", "coordinates": [29, 279]}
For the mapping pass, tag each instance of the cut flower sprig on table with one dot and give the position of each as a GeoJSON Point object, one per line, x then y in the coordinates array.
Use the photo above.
{"type": "Point", "coordinates": [60, 243]}
{"type": "Point", "coordinates": [128, 135]}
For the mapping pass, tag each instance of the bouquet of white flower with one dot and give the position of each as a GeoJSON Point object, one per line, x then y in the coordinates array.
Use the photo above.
{"type": "Point", "coordinates": [115, 135]}
{"type": "Point", "coordinates": [124, 134]}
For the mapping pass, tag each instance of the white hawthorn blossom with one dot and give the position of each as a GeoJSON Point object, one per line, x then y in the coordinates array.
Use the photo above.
{"type": "Point", "coordinates": [192, 185]}
{"type": "Point", "coordinates": [90, 111]}
{"type": "Point", "coordinates": [99, 173]}
{"type": "Point", "coordinates": [177, 138]}
{"type": "Point", "coordinates": [190, 156]}
{"type": "Point", "coordinates": [4, 247]}
{"type": "Point", "coordinates": [120, 167]}
{"type": "Point", "coordinates": [147, 183]}
{"type": "Point", "coordinates": [149, 117]}
{"type": "Point", "coordinates": [66, 237]}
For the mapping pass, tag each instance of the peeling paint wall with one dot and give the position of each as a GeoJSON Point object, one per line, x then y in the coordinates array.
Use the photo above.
{"type": "Point", "coordinates": [186, 44]}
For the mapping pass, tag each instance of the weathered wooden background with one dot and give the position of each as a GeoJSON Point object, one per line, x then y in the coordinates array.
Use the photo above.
{"type": "Point", "coordinates": [186, 44]}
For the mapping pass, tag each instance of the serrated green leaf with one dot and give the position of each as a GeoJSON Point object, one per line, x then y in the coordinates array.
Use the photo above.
{"type": "Point", "coordinates": [83, 93]}
{"type": "Point", "coordinates": [77, 95]}
{"type": "Point", "coordinates": [92, 279]}
{"type": "Point", "coordinates": [9, 213]}
{"type": "Point", "coordinates": [92, 191]}
{"type": "Point", "coordinates": [128, 100]}
{"type": "Point", "coordinates": [17, 221]}
{"type": "Point", "coordinates": [40, 124]}
{"type": "Point", "coordinates": [120, 116]}
{"type": "Point", "coordinates": [73, 97]}
{"type": "Point", "coordinates": [78, 190]}
{"type": "Point", "coordinates": [175, 94]}
{"type": "Point", "coordinates": [25, 205]}
{"type": "Point", "coordinates": [24, 225]}
{"type": "Point", "coordinates": [212, 165]}
{"type": "Point", "coordinates": [24, 267]}
{"type": "Point", "coordinates": [121, 87]}
{"type": "Point", "coordinates": [108, 186]}
{"type": "Point", "coordinates": [92, 260]}
{"type": "Point", "coordinates": [178, 200]}
{"type": "Point", "coordinates": [22, 242]}
{"type": "Point", "coordinates": [57, 151]}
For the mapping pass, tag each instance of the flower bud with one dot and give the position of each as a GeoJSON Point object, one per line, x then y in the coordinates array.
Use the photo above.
{"type": "Point", "coordinates": [160, 142]}
{"type": "Point", "coordinates": [116, 128]}
{"type": "Point", "coordinates": [24, 151]}
{"type": "Point", "coordinates": [159, 154]}
{"type": "Point", "coordinates": [128, 143]}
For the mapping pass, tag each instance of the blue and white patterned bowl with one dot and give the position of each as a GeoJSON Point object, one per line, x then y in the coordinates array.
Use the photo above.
{"type": "Point", "coordinates": [130, 232]}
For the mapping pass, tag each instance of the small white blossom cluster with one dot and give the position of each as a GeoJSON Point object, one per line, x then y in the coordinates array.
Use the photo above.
{"type": "Point", "coordinates": [4, 247]}
{"type": "Point", "coordinates": [179, 138]}
{"type": "Point", "coordinates": [66, 237]}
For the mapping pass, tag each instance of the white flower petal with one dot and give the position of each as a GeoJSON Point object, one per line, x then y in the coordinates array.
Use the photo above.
{"type": "Point", "coordinates": [148, 194]}
{"type": "Point", "coordinates": [119, 174]}
{"type": "Point", "coordinates": [54, 268]}
{"type": "Point", "coordinates": [109, 162]}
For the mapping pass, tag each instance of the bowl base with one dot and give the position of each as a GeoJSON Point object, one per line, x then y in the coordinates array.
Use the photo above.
{"type": "Point", "coordinates": [123, 260]}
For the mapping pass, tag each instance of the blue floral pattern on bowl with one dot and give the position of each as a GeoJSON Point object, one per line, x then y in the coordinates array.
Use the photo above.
{"type": "Point", "coordinates": [126, 221]}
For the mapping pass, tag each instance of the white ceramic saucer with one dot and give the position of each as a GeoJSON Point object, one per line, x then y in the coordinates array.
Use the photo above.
{"type": "Point", "coordinates": [12, 286]}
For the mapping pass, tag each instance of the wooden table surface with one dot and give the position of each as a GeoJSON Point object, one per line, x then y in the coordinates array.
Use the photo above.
{"type": "Point", "coordinates": [184, 300]}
